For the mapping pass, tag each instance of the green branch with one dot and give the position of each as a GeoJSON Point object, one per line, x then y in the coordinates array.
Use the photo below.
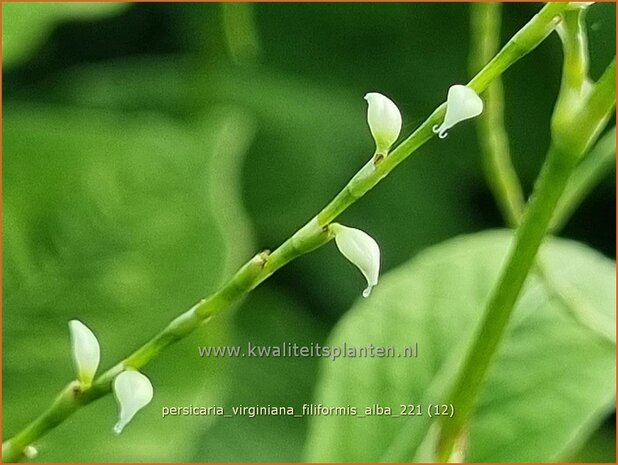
{"type": "Point", "coordinates": [530, 234]}
{"type": "Point", "coordinates": [581, 112]}
{"type": "Point", "coordinates": [240, 32]}
{"type": "Point", "coordinates": [493, 138]}
{"type": "Point", "coordinates": [314, 234]}
{"type": "Point", "coordinates": [597, 164]}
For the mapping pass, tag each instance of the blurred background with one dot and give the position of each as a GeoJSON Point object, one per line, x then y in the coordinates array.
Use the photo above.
{"type": "Point", "coordinates": [150, 149]}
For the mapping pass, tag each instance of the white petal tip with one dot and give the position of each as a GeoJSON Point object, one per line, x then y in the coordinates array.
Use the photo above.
{"type": "Point", "coordinates": [367, 291]}
{"type": "Point", "coordinates": [118, 427]}
{"type": "Point", "coordinates": [440, 131]}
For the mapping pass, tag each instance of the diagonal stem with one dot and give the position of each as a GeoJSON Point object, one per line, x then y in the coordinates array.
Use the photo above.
{"type": "Point", "coordinates": [597, 164]}
{"type": "Point", "coordinates": [493, 138]}
{"type": "Point", "coordinates": [535, 223]}
{"type": "Point", "coordinates": [575, 129]}
{"type": "Point", "coordinates": [311, 236]}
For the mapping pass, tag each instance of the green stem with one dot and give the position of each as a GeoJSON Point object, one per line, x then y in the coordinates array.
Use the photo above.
{"type": "Point", "coordinates": [596, 110]}
{"type": "Point", "coordinates": [572, 32]}
{"type": "Point", "coordinates": [581, 107]}
{"type": "Point", "coordinates": [240, 31]}
{"type": "Point", "coordinates": [535, 223]}
{"type": "Point", "coordinates": [580, 124]}
{"type": "Point", "coordinates": [597, 164]}
{"type": "Point", "coordinates": [248, 277]}
{"type": "Point", "coordinates": [499, 172]}
{"type": "Point", "coordinates": [314, 234]}
{"type": "Point", "coordinates": [523, 42]}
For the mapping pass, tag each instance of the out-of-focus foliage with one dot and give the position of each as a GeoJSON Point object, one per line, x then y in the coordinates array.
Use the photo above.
{"type": "Point", "coordinates": [129, 139]}
{"type": "Point", "coordinates": [24, 27]}
{"type": "Point", "coordinates": [273, 381]}
{"type": "Point", "coordinates": [553, 379]}
{"type": "Point", "coordinates": [119, 222]}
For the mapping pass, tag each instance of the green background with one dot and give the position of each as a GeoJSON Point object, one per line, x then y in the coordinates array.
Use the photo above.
{"type": "Point", "coordinates": [150, 149]}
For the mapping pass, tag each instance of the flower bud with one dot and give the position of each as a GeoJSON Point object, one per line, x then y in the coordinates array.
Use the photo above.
{"type": "Point", "coordinates": [462, 103]}
{"type": "Point", "coordinates": [30, 452]}
{"type": "Point", "coordinates": [85, 350]}
{"type": "Point", "coordinates": [133, 391]}
{"type": "Point", "coordinates": [360, 249]}
{"type": "Point", "coordinates": [384, 121]}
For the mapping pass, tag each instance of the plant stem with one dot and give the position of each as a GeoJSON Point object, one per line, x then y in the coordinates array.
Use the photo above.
{"type": "Point", "coordinates": [574, 128]}
{"type": "Point", "coordinates": [493, 138]}
{"type": "Point", "coordinates": [248, 277]}
{"type": "Point", "coordinates": [240, 31]}
{"type": "Point", "coordinates": [523, 42]}
{"type": "Point", "coordinates": [311, 236]}
{"type": "Point", "coordinates": [535, 223]}
{"type": "Point", "coordinates": [587, 175]}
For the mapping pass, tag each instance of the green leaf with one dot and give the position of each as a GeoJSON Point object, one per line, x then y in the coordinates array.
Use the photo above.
{"type": "Point", "coordinates": [552, 381]}
{"type": "Point", "coordinates": [26, 25]}
{"type": "Point", "coordinates": [267, 318]}
{"type": "Point", "coordinates": [122, 222]}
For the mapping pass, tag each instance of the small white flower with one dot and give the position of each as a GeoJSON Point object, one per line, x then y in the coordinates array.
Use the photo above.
{"type": "Point", "coordinates": [133, 391]}
{"type": "Point", "coordinates": [30, 452]}
{"type": "Point", "coordinates": [360, 249]}
{"type": "Point", "coordinates": [85, 350]}
{"type": "Point", "coordinates": [384, 121]}
{"type": "Point", "coordinates": [462, 103]}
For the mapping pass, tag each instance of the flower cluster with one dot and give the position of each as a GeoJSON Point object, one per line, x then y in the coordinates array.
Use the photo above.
{"type": "Point", "coordinates": [132, 389]}
{"type": "Point", "coordinates": [384, 119]}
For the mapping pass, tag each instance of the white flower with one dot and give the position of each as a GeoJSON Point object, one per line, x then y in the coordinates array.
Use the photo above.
{"type": "Point", "coordinates": [85, 350]}
{"type": "Point", "coordinates": [462, 103]}
{"type": "Point", "coordinates": [30, 452]}
{"type": "Point", "coordinates": [133, 391]}
{"type": "Point", "coordinates": [360, 248]}
{"type": "Point", "coordinates": [384, 121]}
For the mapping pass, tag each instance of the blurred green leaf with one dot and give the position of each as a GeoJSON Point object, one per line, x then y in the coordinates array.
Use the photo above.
{"type": "Point", "coordinates": [552, 382]}
{"type": "Point", "coordinates": [26, 25]}
{"type": "Point", "coordinates": [121, 222]}
{"type": "Point", "coordinates": [268, 318]}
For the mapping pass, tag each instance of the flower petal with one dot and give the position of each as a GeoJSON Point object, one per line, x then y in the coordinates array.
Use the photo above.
{"type": "Point", "coordinates": [462, 103]}
{"type": "Point", "coordinates": [360, 249]}
{"type": "Point", "coordinates": [85, 350]}
{"type": "Point", "coordinates": [133, 391]}
{"type": "Point", "coordinates": [384, 120]}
